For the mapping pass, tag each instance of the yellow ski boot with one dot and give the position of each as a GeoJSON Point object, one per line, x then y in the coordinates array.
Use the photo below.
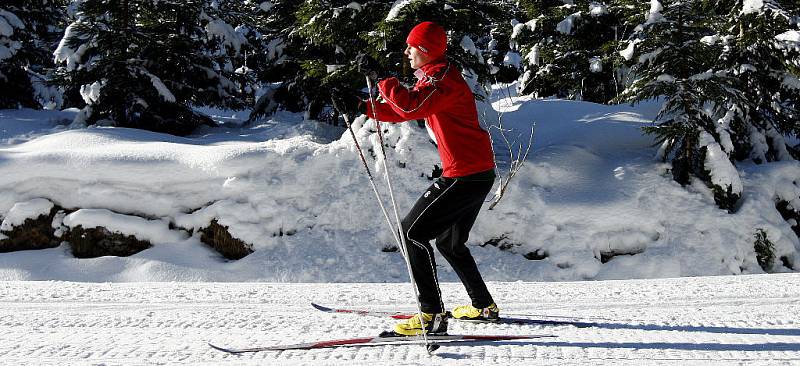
{"type": "Point", "coordinates": [468, 312]}
{"type": "Point", "coordinates": [435, 324]}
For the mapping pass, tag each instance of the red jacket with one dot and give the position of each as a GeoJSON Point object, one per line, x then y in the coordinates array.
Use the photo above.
{"type": "Point", "coordinates": [445, 101]}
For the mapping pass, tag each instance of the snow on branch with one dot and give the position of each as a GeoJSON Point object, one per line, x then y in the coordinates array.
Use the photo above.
{"type": "Point", "coordinates": [218, 28]}
{"type": "Point", "coordinates": [723, 173]}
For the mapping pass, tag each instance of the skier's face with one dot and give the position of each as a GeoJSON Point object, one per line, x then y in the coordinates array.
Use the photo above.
{"type": "Point", "coordinates": [416, 57]}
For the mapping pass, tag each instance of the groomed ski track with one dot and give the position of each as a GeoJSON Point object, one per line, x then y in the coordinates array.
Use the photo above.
{"type": "Point", "coordinates": [704, 320]}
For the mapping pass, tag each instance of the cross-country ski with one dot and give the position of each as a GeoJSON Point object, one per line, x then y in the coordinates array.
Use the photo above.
{"type": "Point", "coordinates": [438, 340]}
{"type": "Point", "coordinates": [502, 320]}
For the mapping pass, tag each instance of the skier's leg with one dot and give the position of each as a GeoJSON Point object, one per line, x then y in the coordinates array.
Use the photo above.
{"type": "Point", "coordinates": [451, 245]}
{"type": "Point", "coordinates": [433, 213]}
{"type": "Point", "coordinates": [420, 252]}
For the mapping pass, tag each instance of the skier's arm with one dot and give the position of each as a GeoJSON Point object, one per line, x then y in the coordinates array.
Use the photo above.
{"type": "Point", "coordinates": [382, 112]}
{"type": "Point", "coordinates": [406, 104]}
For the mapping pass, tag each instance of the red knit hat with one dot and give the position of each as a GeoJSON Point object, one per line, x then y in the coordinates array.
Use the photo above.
{"type": "Point", "coordinates": [429, 38]}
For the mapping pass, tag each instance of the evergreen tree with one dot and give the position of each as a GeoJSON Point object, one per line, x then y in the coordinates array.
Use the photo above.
{"type": "Point", "coordinates": [144, 63]}
{"type": "Point", "coordinates": [673, 63]}
{"type": "Point", "coordinates": [760, 48]}
{"type": "Point", "coordinates": [278, 49]}
{"type": "Point", "coordinates": [569, 48]}
{"type": "Point", "coordinates": [335, 41]}
{"type": "Point", "coordinates": [29, 30]}
{"type": "Point", "coordinates": [334, 36]}
{"type": "Point", "coordinates": [311, 52]}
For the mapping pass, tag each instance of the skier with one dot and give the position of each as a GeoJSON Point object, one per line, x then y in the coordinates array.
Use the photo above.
{"type": "Point", "coordinates": [448, 209]}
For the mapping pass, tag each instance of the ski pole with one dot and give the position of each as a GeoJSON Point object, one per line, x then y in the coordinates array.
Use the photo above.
{"type": "Point", "coordinates": [403, 247]}
{"type": "Point", "coordinates": [369, 175]}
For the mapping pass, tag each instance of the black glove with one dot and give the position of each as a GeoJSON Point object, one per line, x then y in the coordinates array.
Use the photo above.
{"type": "Point", "coordinates": [366, 65]}
{"type": "Point", "coordinates": [347, 102]}
{"type": "Point", "coordinates": [436, 172]}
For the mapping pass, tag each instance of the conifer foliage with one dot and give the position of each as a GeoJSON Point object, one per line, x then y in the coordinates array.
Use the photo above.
{"type": "Point", "coordinates": [144, 63]}
{"type": "Point", "coordinates": [670, 61]}
{"type": "Point", "coordinates": [761, 48]}
{"type": "Point", "coordinates": [727, 72]}
{"type": "Point", "coordinates": [469, 25]}
{"type": "Point", "coordinates": [28, 31]}
{"type": "Point", "coordinates": [568, 48]}
{"type": "Point", "coordinates": [333, 43]}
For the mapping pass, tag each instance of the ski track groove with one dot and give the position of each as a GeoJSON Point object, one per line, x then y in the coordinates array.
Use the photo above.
{"type": "Point", "coordinates": [712, 320]}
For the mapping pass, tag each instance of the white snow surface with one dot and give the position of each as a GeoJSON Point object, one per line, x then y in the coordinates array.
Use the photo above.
{"type": "Point", "coordinates": [9, 21]}
{"type": "Point", "coordinates": [91, 92]}
{"type": "Point", "coordinates": [789, 36]}
{"type": "Point", "coordinates": [533, 55]}
{"type": "Point", "coordinates": [725, 320]}
{"type": "Point", "coordinates": [296, 191]}
{"type": "Point", "coordinates": [154, 231]}
{"type": "Point", "coordinates": [25, 210]}
{"type": "Point", "coordinates": [64, 53]}
{"type": "Point", "coordinates": [513, 59]}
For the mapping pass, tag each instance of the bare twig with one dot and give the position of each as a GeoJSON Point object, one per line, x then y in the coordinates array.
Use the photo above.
{"type": "Point", "coordinates": [517, 158]}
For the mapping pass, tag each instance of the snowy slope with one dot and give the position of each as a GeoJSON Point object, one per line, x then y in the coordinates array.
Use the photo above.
{"type": "Point", "coordinates": [724, 320]}
{"type": "Point", "coordinates": [590, 191]}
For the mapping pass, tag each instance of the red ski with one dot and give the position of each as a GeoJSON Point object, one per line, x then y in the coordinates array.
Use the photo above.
{"type": "Point", "coordinates": [436, 340]}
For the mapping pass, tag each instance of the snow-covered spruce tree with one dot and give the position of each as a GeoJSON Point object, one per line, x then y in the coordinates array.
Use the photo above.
{"type": "Point", "coordinates": [333, 38]}
{"type": "Point", "coordinates": [275, 62]}
{"type": "Point", "coordinates": [671, 62]}
{"type": "Point", "coordinates": [144, 63]}
{"type": "Point", "coordinates": [761, 48]}
{"type": "Point", "coordinates": [569, 48]}
{"type": "Point", "coordinates": [29, 30]}
{"type": "Point", "coordinates": [335, 41]}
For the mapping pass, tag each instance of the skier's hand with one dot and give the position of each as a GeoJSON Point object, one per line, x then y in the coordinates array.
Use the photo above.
{"type": "Point", "coordinates": [365, 64]}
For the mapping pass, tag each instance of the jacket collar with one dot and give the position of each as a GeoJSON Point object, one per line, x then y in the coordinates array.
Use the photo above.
{"type": "Point", "coordinates": [433, 71]}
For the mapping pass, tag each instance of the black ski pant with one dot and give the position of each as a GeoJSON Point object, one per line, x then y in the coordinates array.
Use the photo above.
{"type": "Point", "coordinates": [446, 212]}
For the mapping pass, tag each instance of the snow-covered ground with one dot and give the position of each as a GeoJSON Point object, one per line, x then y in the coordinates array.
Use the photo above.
{"type": "Point", "coordinates": [590, 190]}
{"type": "Point", "coordinates": [723, 320]}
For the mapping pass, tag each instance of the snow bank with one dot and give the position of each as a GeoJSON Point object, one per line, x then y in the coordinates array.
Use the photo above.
{"type": "Point", "coordinates": [154, 231]}
{"type": "Point", "coordinates": [590, 203]}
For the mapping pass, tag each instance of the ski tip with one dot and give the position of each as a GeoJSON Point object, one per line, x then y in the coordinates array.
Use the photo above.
{"type": "Point", "coordinates": [320, 307]}
{"type": "Point", "coordinates": [220, 348]}
{"type": "Point", "coordinates": [432, 347]}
